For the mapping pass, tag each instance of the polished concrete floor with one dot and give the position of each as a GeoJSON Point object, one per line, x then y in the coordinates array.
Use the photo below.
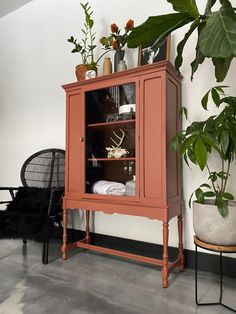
{"type": "Point", "coordinates": [94, 283]}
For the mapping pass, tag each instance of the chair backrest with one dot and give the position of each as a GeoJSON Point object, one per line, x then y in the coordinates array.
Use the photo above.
{"type": "Point", "coordinates": [44, 169]}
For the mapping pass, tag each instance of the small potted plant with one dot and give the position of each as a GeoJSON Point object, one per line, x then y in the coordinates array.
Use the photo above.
{"type": "Point", "coordinates": [214, 211]}
{"type": "Point", "coordinates": [117, 41]}
{"type": "Point", "coordinates": [86, 48]}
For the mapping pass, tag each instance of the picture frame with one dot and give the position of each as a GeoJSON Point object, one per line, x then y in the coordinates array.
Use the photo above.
{"type": "Point", "coordinates": [147, 56]}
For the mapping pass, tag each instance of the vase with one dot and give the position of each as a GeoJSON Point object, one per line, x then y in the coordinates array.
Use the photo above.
{"type": "Point", "coordinates": [121, 66]}
{"type": "Point", "coordinates": [107, 66]}
{"type": "Point", "coordinates": [119, 55]}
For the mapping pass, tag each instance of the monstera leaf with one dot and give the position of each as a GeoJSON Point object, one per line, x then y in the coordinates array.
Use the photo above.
{"type": "Point", "coordinates": [218, 38]}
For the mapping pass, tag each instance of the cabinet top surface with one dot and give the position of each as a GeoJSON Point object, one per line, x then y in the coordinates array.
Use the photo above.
{"type": "Point", "coordinates": [134, 72]}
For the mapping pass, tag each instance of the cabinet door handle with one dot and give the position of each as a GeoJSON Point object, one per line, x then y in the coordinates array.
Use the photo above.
{"type": "Point", "coordinates": [82, 139]}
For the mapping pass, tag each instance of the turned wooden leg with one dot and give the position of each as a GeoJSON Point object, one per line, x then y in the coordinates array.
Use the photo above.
{"type": "Point", "coordinates": [180, 245]}
{"type": "Point", "coordinates": [165, 271]}
{"type": "Point", "coordinates": [87, 230]}
{"type": "Point", "coordinates": [64, 244]}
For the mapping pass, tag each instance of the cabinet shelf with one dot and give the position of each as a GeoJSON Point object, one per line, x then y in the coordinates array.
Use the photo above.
{"type": "Point", "coordinates": [112, 124]}
{"type": "Point", "coordinates": [112, 159]}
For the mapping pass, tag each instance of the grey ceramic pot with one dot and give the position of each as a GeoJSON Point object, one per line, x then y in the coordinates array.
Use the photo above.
{"type": "Point", "coordinates": [209, 226]}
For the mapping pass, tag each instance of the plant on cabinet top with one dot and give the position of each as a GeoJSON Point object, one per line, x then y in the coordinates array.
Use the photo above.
{"type": "Point", "coordinates": [87, 46]}
{"type": "Point", "coordinates": [115, 40]}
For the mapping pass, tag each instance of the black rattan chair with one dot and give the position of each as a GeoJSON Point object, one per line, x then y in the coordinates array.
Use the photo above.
{"type": "Point", "coordinates": [35, 208]}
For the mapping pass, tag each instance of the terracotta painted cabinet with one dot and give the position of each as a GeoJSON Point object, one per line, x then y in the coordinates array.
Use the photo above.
{"type": "Point", "coordinates": [119, 126]}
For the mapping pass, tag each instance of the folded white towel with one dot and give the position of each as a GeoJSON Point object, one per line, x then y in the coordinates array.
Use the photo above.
{"type": "Point", "coordinates": [108, 187]}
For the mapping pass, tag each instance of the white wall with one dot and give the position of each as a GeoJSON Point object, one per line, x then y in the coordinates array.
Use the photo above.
{"type": "Point", "coordinates": [36, 60]}
{"type": "Point", "coordinates": [7, 6]}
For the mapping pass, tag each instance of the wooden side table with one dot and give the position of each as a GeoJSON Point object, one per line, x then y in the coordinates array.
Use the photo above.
{"type": "Point", "coordinates": [216, 248]}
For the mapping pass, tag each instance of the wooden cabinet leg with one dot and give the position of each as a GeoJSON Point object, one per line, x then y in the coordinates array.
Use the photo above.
{"type": "Point", "coordinates": [87, 230]}
{"type": "Point", "coordinates": [180, 245]}
{"type": "Point", "coordinates": [165, 271]}
{"type": "Point", "coordinates": [64, 244]}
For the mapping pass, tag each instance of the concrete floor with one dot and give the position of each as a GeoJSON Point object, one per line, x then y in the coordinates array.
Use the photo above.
{"type": "Point", "coordinates": [94, 283]}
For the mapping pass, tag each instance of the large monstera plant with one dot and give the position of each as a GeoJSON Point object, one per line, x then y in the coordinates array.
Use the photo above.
{"type": "Point", "coordinates": [216, 33]}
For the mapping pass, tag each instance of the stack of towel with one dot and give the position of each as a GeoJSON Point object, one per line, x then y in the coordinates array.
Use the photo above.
{"type": "Point", "coordinates": [108, 187]}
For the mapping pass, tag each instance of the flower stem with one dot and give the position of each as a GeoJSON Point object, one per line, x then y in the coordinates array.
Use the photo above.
{"type": "Point", "coordinates": [103, 55]}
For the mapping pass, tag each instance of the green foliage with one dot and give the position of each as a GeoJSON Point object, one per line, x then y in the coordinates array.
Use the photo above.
{"type": "Point", "coordinates": [201, 138]}
{"type": "Point", "coordinates": [86, 48]}
{"type": "Point", "coordinates": [188, 7]}
{"type": "Point", "coordinates": [157, 27]}
{"type": "Point", "coordinates": [183, 112]}
{"type": "Point", "coordinates": [222, 66]}
{"type": "Point", "coordinates": [218, 38]}
{"type": "Point", "coordinates": [199, 58]}
{"type": "Point", "coordinates": [116, 40]}
{"type": "Point", "coordinates": [216, 33]}
{"type": "Point", "coordinates": [180, 47]}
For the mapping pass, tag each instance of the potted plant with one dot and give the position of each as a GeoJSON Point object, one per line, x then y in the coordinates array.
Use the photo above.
{"type": "Point", "coordinates": [86, 48]}
{"type": "Point", "coordinates": [200, 143]}
{"type": "Point", "coordinates": [216, 33]}
{"type": "Point", "coordinates": [117, 41]}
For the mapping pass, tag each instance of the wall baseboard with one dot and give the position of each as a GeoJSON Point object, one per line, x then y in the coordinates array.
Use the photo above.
{"type": "Point", "coordinates": [206, 261]}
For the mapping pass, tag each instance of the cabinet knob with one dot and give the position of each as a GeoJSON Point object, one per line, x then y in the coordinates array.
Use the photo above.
{"type": "Point", "coordinates": [82, 139]}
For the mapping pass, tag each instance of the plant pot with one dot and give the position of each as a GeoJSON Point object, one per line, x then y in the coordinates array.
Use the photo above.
{"type": "Point", "coordinates": [80, 71]}
{"type": "Point", "coordinates": [209, 226]}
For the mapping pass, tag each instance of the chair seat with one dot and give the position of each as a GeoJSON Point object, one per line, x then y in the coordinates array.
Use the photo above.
{"type": "Point", "coordinates": [36, 208]}
{"type": "Point", "coordinates": [27, 215]}
{"type": "Point", "coordinates": [30, 200]}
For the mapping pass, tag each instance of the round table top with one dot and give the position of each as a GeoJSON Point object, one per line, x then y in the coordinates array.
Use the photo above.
{"type": "Point", "coordinates": [214, 247]}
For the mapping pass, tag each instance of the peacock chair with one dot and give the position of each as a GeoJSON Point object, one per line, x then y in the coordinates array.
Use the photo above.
{"type": "Point", "coordinates": [34, 211]}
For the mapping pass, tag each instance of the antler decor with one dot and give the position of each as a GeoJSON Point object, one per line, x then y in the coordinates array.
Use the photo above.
{"type": "Point", "coordinates": [117, 151]}
{"type": "Point", "coordinates": [121, 138]}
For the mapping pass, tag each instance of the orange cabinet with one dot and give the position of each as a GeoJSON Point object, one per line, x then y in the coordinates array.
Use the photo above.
{"type": "Point", "coordinates": [117, 151]}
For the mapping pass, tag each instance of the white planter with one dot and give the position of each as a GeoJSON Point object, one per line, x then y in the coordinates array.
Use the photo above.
{"type": "Point", "coordinates": [211, 227]}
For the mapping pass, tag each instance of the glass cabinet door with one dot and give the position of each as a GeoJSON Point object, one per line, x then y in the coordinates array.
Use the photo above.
{"type": "Point", "coordinates": [110, 140]}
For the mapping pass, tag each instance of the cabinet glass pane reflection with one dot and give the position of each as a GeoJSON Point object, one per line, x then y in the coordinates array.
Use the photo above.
{"type": "Point", "coordinates": [110, 140]}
